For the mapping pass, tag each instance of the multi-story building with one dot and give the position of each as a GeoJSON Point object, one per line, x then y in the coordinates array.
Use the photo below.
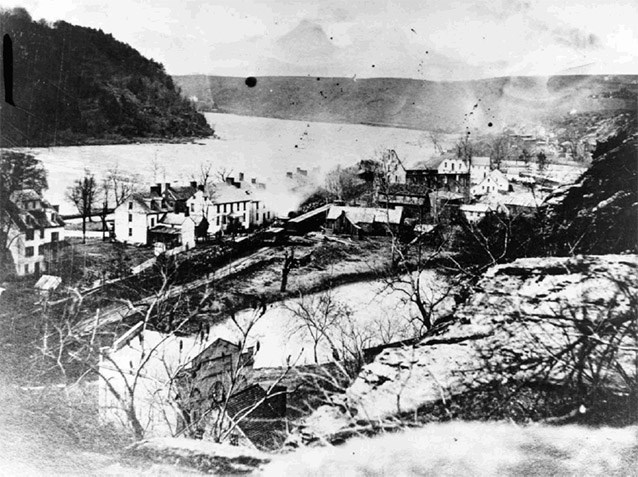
{"type": "Point", "coordinates": [146, 218]}
{"type": "Point", "coordinates": [35, 232]}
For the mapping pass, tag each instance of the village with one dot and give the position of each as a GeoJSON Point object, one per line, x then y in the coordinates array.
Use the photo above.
{"type": "Point", "coordinates": [176, 327]}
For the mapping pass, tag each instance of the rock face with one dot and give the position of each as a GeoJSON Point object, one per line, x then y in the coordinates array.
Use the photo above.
{"type": "Point", "coordinates": [533, 320]}
{"type": "Point", "coordinates": [598, 214]}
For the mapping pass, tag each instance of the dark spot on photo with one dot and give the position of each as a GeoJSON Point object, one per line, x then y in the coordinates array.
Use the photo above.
{"type": "Point", "coordinates": [251, 81]}
{"type": "Point", "coordinates": [489, 124]}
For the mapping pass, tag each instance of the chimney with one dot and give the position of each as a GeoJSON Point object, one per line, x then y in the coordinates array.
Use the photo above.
{"type": "Point", "coordinates": [241, 177]}
{"type": "Point", "coordinates": [56, 208]}
{"type": "Point", "coordinates": [253, 180]}
{"type": "Point", "coordinates": [159, 188]}
{"type": "Point", "coordinates": [194, 184]}
{"type": "Point", "coordinates": [230, 180]}
{"type": "Point", "coordinates": [156, 189]}
{"type": "Point", "coordinates": [167, 186]}
{"type": "Point", "coordinates": [289, 175]}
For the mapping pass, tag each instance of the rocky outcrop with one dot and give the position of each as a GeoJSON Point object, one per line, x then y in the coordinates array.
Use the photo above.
{"type": "Point", "coordinates": [568, 321]}
{"type": "Point", "coordinates": [599, 213]}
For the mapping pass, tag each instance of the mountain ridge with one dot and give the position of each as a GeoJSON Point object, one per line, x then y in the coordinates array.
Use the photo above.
{"type": "Point", "coordinates": [411, 103]}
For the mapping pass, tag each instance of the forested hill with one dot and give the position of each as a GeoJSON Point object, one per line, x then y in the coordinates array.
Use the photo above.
{"type": "Point", "coordinates": [77, 85]}
{"type": "Point", "coordinates": [412, 103]}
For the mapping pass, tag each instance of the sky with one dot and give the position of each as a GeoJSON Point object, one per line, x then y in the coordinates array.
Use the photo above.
{"type": "Point", "coordinates": [422, 39]}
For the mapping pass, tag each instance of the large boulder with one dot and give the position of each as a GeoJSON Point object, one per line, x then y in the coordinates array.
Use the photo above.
{"type": "Point", "coordinates": [566, 321]}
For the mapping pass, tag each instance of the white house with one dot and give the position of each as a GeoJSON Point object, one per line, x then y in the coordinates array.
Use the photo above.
{"type": "Point", "coordinates": [495, 181]}
{"type": "Point", "coordinates": [475, 212]}
{"type": "Point", "coordinates": [174, 230]}
{"type": "Point", "coordinates": [34, 233]}
{"type": "Point", "coordinates": [230, 203]}
{"type": "Point", "coordinates": [136, 215]}
{"type": "Point", "coordinates": [452, 165]}
{"type": "Point", "coordinates": [479, 169]}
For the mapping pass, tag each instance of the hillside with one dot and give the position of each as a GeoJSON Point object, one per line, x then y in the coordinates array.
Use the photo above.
{"type": "Point", "coordinates": [410, 103]}
{"type": "Point", "coordinates": [76, 85]}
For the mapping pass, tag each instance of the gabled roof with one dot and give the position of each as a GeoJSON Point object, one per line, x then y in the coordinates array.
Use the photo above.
{"type": "Point", "coordinates": [432, 163]}
{"type": "Point", "coordinates": [366, 215]}
{"type": "Point", "coordinates": [147, 201]}
{"type": "Point", "coordinates": [25, 195]}
{"type": "Point", "coordinates": [181, 192]}
{"type": "Point", "coordinates": [225, 194]}
{"type": "Point", "coordinates": [172, 218]}
{"type": "Point", "coordinates": [42, 218]}
{"type": "Point", "coordinates": [23, 219]}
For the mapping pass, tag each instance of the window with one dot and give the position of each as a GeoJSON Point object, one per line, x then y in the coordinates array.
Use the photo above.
{"type": "Point", "coordinates": [192, 207]}
{"type": "Point", "coordinates": [28, 252]}
{"type": "Point", "coordinates": [37, 268]}
{"type": "Point", "coordinates": [231, 208]}
{"type": "Point", "coordinates": [55, 236]}
{"type": "Point", "coordinates": [29, 234]}
{"type": "Point", "coordinates": [244, 205]}
{"type": "Point", "coordinates": [41, 233]}
{"type": "Point", "coordinates": [257, 217]}
{"type": "Point", "coordinates": [452, 166]}
{"type": "Point", "coordinates": [26, 268]}
{"type": "Point", "coordinates": [130, 232]}
{"type": "Point", "coordinates": [130, 205]}
{"type": "Point", "coordinates": [130, 217]}
{"type": "Point", "coordinates": [41, 250]}
{"type": "Point", "coordinates": [152, 221]}
{"type": "Point", "coordinates": [52, 217]}
{"type": "Point", "coordinates": [218, 208]}
{"type": "Point", "coordinates": [218, 220]}
{"type": "Point", "coordinates": [224, 208]}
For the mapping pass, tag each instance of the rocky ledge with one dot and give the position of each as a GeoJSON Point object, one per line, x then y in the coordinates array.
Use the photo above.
{"type": "Point", "coordinates": [565, 321]}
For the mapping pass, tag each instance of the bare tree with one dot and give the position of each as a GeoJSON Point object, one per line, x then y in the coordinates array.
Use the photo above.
{"type": "Point", "coordinates": [465, 148]}
{"type": "Point", "coordinates": [289, 261]}
{"type": "Point", "coordinates": [541, 161]}
{"type": "Point", "coordinates": [343, 183]}
{"type": "Point", "coordinates": [216, 415]}
{"type": "Point", "coordinates": [204, 174]}
{"type": "Point", "coordinates": [122, 184]}
{"type": "Point", "coordinates": [83, 194]}
{"type": "Point", "coordinates": [224, 173]}
{"type": "Point", "coordinates": [105, 190]}
{"type": "Point", "coordinates": [500, 150]}
{"type": "Point", "coordinates": [316, 317]}
{"type": "Point", "coordinates": [435, 138]}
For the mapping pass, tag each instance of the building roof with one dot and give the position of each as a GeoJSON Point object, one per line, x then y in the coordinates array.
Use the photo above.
{"type": "Point", "coordinates": [165, 229]}
{"type": "Point", "coordinates": [150, 202]}
{"type": "Point", "coordinates": [181, 192]}
{"type": "Point", "coordinates": [309, 214]}
{"type": "Point", "coordinates": [432, 163]}
{"type": "Point", "coordinates": [172, 218]}
{"type": "Point", "coordinates": [48, 282]}
{"type": "Point", "coordinates": [479, 207]}
{"type": "Point", "coordinates": [25, 195]}
{"type": "Point", "coordinates": [46, 217]}
{"type": "Point", "coordinates": [366, 215]}
{"type": "Point", "coordinates": [418, 190]}
{"type": "Point", "coordinates": [225, 194]}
